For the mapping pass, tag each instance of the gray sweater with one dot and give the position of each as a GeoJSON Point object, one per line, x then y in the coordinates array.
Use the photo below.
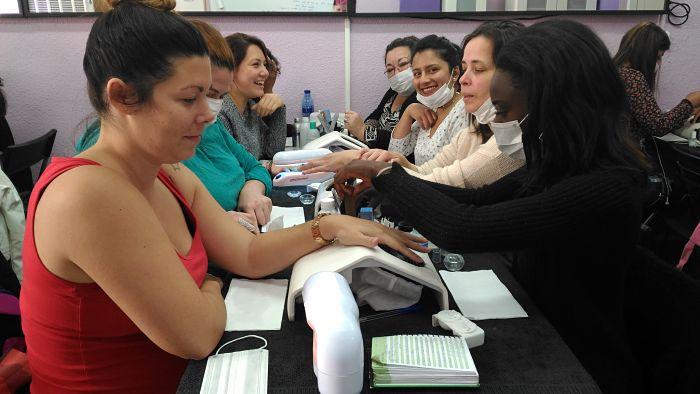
{"type": "Point", "coordinates": [262, 137]}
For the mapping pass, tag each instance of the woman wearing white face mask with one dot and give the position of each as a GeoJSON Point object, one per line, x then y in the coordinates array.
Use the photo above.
{"type": "Point", "coordinates": [472, 159]}
{"type": "Point", "coordinates": [376, 130]}
{"type": "Point", "coordinates": [236, 180]}
{"type": "Point", "coordinates": [429, 125]}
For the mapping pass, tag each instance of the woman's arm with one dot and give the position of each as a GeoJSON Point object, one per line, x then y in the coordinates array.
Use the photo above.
{"type": "Point", "coordinates": [251, 167]}
{"type": "Point", "coordinates": [407, 144]}
{"type": "Point", "coordinates": [466, 141]}
{"type": "Point", "coordinates": [645, 109]}
{"type": "Point", "coordinates": [492, 218]}
{"type": "Point", "coordinates": [237, 250]}
{"type": "Point", "coordinates": [276, 137]}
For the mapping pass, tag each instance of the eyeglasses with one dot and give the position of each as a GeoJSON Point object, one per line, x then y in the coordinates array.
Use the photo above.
{"type": "Point", "coordinates": [392, 70]}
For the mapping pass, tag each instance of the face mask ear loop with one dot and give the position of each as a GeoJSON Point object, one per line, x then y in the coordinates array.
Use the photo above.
{"type": "Point", "coordinates": [238, 339]}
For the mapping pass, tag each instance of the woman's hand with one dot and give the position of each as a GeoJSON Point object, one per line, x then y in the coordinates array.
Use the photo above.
{"type": "Point", "coordinates": [696, 115]}
{"type": "Point", "coordinates": [332, 162]}
{"type": "Point", "coordinates": [269, 103]}
{"type": "Point", "coordinates": [358, 169]}
{"type": "Point", "coordinates": [384, 156]}
{"type": "Point", "coordinates": [355, 125]}
{"type": "Point", "coordinates": [425, 117]}
{"type": "Point", "coordinates": [351, 231]}
{"type": "Point", "coordinates": [247, 220]}
{"type": "Point", "coordinates": [252, 200]}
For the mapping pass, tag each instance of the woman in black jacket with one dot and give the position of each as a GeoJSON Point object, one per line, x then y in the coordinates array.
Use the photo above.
{"type": "Point", "coordinates": [376, 130]}
{"type": "Point", "coordinates": [572, 215]}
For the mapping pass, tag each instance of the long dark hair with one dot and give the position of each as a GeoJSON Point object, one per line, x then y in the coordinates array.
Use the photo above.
{"type": "Point", "coordinates": [498, 32]}
{"type": "Point", "coordinates": [639, 49]}
{"type": "Point", "coordinates": [239, 43]}
{"type": "Point", "coordinates": [575, 100]}
{"type": "Point", "coordinates": [444, 48]}
{"type": "Point", "coordinates": [137, 42]}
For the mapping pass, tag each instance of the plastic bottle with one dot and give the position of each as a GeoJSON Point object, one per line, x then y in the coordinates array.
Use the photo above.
{"type": "Point", "coordinates": [328, 205]}
{"type": "Point", "coordinates": [296, 142]}
{"type": "Point", "coordinates": [313, 131]}
{"type": "Point", "coordinates": [303, 132]}
{"type": "Point", "coordinates": [307, 104]}
{"type": "Point", "coordinates": [366, 213]}
{"type": "Point", "coordinates": [693, 140]}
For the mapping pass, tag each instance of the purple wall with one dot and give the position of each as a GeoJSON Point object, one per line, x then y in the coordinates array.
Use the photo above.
{"type": "Point", "coordinates": [41, 62]}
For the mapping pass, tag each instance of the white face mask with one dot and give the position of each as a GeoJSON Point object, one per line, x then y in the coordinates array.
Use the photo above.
{"type": "Point", "coordinates": [486, 113]}
{"type": "Point", "coordinates": [441, 97]}
{"type": "Point", "coordinates": [402, 82]}
{"type": "Point", "coordinates": [509, 137]}
{"type": "Point", "coordinates": [238, 372]}
{"type": "Point", "coordinates": [215, 106]}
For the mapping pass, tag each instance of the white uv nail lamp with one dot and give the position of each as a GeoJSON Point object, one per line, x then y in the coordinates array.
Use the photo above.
{"type": "Point", "coordinates": [343, 259]}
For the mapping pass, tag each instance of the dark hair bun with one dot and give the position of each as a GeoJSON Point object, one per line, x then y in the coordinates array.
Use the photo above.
{"type": "Point", "coordinates": [162, 5]}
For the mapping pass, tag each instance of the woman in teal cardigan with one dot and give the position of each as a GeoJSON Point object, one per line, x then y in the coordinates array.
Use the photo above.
{"type": "Point", "coordinates": [231, 174]}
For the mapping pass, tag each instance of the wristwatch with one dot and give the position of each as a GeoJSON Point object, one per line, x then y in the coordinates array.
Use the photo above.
{"type": "Point", "coordinates": [316, 230]}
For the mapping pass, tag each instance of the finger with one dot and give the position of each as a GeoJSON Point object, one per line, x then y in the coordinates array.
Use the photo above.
{"type": "Point", "coordinates": [267, 210]}
{"type": "Point", "coordinates": [259, 215]}
{"type": "Point", "coordinates": [424, 122]}
{"type": "Point", "coordinates": [433, 117]}
{"type": "Point", "coordinates": [371, 155]}
{"type": "Point", "coordinates": [309, 165]}
{"type": "Point", "coordinates": [401, 248]}
{"type": "Point", "coordinates": [357, 189]}
{"type": "Point", "coordinates": [343, 190]}
{"type": "Point", "coordinates": [415, 238]}
{"type": "Point", "coordinates": [317, 169]}
{"type": "Point", "coordinates": [379, 156]}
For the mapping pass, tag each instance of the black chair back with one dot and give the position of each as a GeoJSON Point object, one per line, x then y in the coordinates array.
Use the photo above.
{"type": "Point", "coordinates": [6, 138]}
{"type": "Point", "coordinates": [18, 159]}
{"type": "Point", "coordinates": [292, 132]}
{"type": "Point", "coordinates": [690, 180]}
{"type": "Point", "coordinates": [662, 316]}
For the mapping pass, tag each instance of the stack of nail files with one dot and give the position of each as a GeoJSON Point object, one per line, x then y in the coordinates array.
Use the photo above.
{"type": "Point", "coordinates": [422, 361]}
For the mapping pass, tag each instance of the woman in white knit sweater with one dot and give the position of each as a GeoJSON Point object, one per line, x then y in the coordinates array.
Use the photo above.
{"type": "Point", "coordinates": [472, 158]}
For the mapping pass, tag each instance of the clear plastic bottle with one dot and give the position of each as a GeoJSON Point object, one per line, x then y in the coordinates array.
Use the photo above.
{"type": "Point", "coordinates": [303, 132]}
{"type": "Point", "coordinates": [313, 131]}
{"type": "Point", "coordinates": [307, 104]}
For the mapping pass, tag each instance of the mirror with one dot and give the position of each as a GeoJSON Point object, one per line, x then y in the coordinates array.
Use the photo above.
{"type": "Point", "coordinates": [225, 6]}
{"type": "Point", "coordinates": [461, 6]}
{"type": "Point", "coordinates": [10, 7]}
{"type": "Point", "coordinates": [361, 7]}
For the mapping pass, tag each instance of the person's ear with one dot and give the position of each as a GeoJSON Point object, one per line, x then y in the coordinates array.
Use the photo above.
{"type": "Point", "coordinates": [121, 97]}
{"type": "Point", "coordinates": [455, 73]}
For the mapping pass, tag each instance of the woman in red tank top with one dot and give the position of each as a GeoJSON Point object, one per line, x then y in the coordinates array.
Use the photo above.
{"type": "Point", "coordinates": [115, 295]}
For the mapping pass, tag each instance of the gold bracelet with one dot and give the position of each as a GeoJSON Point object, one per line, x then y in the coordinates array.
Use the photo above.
{"type": "Point", "coordinates": [316, 230]}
